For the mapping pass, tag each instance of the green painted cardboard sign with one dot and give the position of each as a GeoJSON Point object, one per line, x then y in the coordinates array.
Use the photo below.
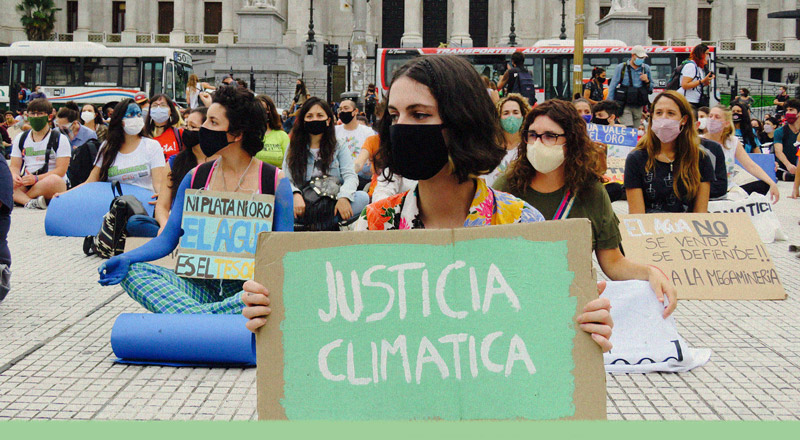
{"type": "Point", "coordinates": [413, 325]}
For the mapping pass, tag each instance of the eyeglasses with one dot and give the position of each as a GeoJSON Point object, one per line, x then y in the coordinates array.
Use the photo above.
{"type": "Point", "coordinates": [548, 138]}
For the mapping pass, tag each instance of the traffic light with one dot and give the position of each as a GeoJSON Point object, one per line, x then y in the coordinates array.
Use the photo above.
{"type": "Point", "coordinates": [331, 54]}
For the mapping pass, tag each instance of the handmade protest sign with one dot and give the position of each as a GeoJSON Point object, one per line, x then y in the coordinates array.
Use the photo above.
{"type": "Point", "coordinates": [221, 232]}
{"type": "Point", "coordinates": [615, 170]}
{"type": "Point", "coordinates": [706, 256]}
{"type": "Point", "coordinates": [620, 140]}
{"type": "Point", "coordinates": [475, 323]}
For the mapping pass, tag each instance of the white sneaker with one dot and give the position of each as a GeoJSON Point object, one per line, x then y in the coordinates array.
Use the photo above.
{"type": "Point", "coordinates": [37, 203]}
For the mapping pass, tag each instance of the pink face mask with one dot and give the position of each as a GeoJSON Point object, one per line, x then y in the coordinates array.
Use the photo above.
{"type": "Point", "coordinates": [667, 130]}
{"type": "Point", "coordinates": [714, 126]}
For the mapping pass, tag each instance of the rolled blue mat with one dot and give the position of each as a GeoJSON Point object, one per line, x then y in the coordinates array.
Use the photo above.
{"type": "Point", "coordinates": [183, 340]}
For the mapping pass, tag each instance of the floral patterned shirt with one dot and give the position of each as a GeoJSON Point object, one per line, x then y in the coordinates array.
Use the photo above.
{"type": "Point", "coordinates": [489, 207]}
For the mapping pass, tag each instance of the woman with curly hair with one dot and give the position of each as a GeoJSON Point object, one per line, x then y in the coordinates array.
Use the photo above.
{"type": "Point", "coordinates": [556, 173]}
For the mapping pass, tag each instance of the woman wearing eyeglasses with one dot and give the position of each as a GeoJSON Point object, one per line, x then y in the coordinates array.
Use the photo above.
{"type": "Point", "coordinates": [556, 173]}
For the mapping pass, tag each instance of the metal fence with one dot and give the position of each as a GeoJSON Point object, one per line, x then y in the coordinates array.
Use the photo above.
{"type": "Point", "coordinates": [762, 92]}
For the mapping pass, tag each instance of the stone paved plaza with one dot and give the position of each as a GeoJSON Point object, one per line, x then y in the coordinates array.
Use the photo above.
{"type": "Point", "coordinates": [56, 360]}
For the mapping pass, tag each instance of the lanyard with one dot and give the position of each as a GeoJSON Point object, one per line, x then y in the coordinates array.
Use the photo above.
{"type": "Point", "coordinates": [565, 207]}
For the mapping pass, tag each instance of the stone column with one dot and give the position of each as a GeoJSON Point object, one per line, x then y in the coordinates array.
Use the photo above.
{"type": "Point", "coordinates": [460, 19]}
{"type": "Point", "coordinates": [226, 34]}
{"type": "Point", "coordinates": [178, 34]}
{"type": "Point", "coordinates": [412, 32]}
{"type": "Point", "coordinates": [131, 10]}
{"type": "Point", "coordinates": [200, 17]}
{"type": "Point", "coordinates": [739, 25]}
{"type": "Point", "coordinates": [788, 35]}
{"type": "Point", "coordinates": [84, 19]}
{"type": "Point", "coordinates": [592, 12]}
{"type": "Point", "coordinates": [692, 39]}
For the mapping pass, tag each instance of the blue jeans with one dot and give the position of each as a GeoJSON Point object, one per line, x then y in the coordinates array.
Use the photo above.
{"type": "Point", "coordinates": [360, 201]}
{"type": "Point", "coordinates": [142, 226]}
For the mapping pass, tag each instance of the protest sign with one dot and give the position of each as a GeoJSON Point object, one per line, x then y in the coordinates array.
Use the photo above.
{"type": "Point", "coordinates": [620, 140]}
{"type": "Point", "coordinates": [465, 324]}
{"type": "Point", "coordinates": [167, 262]}
{"type": "Point", "coordinates": [759, 208]}
{"type": "Point", "coordinates": [615, 170]}
{"type": "Point", "coordinates": [221, 232]}
{"type": "Point", "coordinates": [706, 256]}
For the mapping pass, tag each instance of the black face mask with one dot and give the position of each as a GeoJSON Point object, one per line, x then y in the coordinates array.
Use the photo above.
{"type": "Point", "coordinates": [737, 118]}
{"type": "Point", "coordinates": [602, 80]}
{"type": "Point", "coordinates": [418, 151]}
{"type": "Point", "coordinates": [599, 121]}
{"type": "Point", "coordinates": [346, 117]}
{"type": "Point", "coordinates": [211, 141]}
{"type": "Point", "coordinates": [190, 138]}
{"type": "Point", "coordinates": [316, 127]}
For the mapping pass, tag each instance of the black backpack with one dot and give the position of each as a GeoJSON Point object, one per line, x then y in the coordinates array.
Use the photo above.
{"type": "Point", "coordinates": [82, 162]}
{"type": "Point", "coordinates": [674, 82]}
{"type": "Point", "coordinates": [52, 145]}
{"type": "Point", "coordinates": [524, 85]}
{"type": "Point", "coordinates": [110, 241]}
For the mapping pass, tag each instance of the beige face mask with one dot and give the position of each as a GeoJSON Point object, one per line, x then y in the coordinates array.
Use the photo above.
{"type": "Point", "coordinates": [543, 158]}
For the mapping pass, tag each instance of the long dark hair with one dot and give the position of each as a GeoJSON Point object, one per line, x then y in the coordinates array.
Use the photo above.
{"type": "Point", "coordinates": [273, 118]}
{"type": "Point", "coordinates": [300, 88]}
{"type": "Point", "coordinates": [184, 161]}
{"type": "Point", "coordinates": [174, 116]}
{"type": "Point", "coordinates": [580, 163]}
{"type": "Point", "coordinates": [745, 127]}
{"type": "Point", "coordinates": [466, 110]}
{"type": "Point", "coordinates": [300, 140]}
{"type": "Point", "coordinates": [114, 139]}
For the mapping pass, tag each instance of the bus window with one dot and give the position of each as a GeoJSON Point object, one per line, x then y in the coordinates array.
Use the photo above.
{"type": "Point", "coordinates": [590, 63]}
{"type": "Point", "coordinates": [62, 71]}
{"type": "Point", "coordinates": [660, 69]}
{"type": "Point", "coordinates": [101, 71]}
{"type": "Point", "coordinates": [3, 71]}
{"type": "Point", "coordinates": [558, 78]}
{"type": "Point", "coordinates": [182, 73]}
{"type": "Point", "coordinates": [130, 72]}
{"type": "Point", "coordinates": [169, 82]}
{"type": "Point", "coordinates": [152, 72]}
{"type": "Point", "coordinates": [27, 71]}
{"type": "Point", "coordinates": [392, 64]}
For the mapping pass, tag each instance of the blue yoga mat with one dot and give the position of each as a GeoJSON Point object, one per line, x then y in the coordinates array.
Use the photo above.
{"type": "Point", "coordinates": [183, 340]}
{"type": "Point", "coordinates": [766, 162]}
{"type": "Point", "coordinates": [89, 204]}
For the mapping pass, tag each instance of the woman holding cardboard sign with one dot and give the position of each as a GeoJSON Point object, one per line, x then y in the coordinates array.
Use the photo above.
{"type": "Point", "coordinates": [556, 173]}
{"type": "Point", "coordinates": [234, 129]}
{"type": "Point", "coordinates": [441, 129]}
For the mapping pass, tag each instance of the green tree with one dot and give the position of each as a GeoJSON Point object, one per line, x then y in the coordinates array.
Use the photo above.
{"type": "Point", "coordinates": [38, 18]}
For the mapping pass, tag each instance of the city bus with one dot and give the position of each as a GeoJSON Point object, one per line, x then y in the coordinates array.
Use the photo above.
{"type": "Point", "coordinates": [550, 62]}
{"type": "Point", "coordinates": [91, 72]}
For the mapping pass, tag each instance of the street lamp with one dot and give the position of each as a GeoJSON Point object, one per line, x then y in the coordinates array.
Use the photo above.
{"type": "Point", "coordinates": [310, 42]}
{"type": "Point", "coordinates": [512, 37]}
{"type": "Point", "coordinates": [563, 35]}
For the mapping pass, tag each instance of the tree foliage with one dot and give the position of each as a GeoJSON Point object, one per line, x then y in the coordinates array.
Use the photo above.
{"type": "Point", "coordinates": [38, 18]}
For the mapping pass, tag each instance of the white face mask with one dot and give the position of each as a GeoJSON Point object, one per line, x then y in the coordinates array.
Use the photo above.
{"type": "Point", "coordinates": [703, 123]}
{"type": "Point", "coordinates": [543, 158]}
{"type": "Point", "coordinates": [768, 129]}
{"type": "Point", "coordinates": [640, 133]}
{"type": "Point", "coordinates": [133, 125]}
{"type": "Point", "coordinates": [87, 116]}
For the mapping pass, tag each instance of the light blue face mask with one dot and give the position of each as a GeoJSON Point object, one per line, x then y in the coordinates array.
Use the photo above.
{"type": "Point", "coordinates": [638, 61]}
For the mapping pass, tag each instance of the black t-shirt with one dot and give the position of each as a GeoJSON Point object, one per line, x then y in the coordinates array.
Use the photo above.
{"type": "Point", "coordinates": [656, 184]}
{"type": "Point", "coordinates": [595, 91]}
{"type": "Point", "coordinates": [780, 110]}
{"type": "Point", "coordinates": [719, 186]}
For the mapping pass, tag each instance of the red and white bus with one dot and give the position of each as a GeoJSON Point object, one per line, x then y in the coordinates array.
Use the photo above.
{"type": "Point", "coordinates": [550, 61]}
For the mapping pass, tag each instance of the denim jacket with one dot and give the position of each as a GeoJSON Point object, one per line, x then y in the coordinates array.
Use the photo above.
{"type": "Point", "coordinates": [341, 168]}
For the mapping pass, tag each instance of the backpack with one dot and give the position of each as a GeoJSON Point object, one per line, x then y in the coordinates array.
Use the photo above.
{"type": "Point", "coordinates": [524, 85]}
{"type": "Point", "coordinates": [82, 162]}
{"type": "Point", "coordinates": [110, 241]}
{"type": "Point", "coordinates": [52, 145]}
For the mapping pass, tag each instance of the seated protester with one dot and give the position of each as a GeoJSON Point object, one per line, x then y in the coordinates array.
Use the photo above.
{"type": "Point", "coordinates": [512, 110]}
{"type": "Point", "coordinates": [744, 129]}
{"type": "Point", "coordinates": [667, 172]}
{"type": "Point", "coordinates": [67, 120]}
{"type": "Point", "coordinates": [785, 138]}
{"type": "Point", "coordinates": [177, 167]}
{"type": "Point", "coordinates": [162, 124]}
{"type": "Point", "coordinates": [352, 135]}
{"type": "Point", "coordinates": [605, 113]}
{"type": "Point", "coordinates": [557, 175]}
{"type": "Point", "coordinates": [234, 130]}
{"type": "Point", "coordinates": [702, 119]}
{"type": "Point", "coordinates": [720, 130]}
{"type": "Point", "coordinates": [276, 141]}
{"type": "Point", "coordinates": [767, 135]}
{"type": "Point", "coordinates": [126, 156]}
{"type": "Point", "coordinates": [719, 186]}
{"type": "Point", "coordinates": [584, 109]}
{"type": "Point", "coordinates": [39, 159]}
{"type": "Point", "coordinates": [6, 205]}
{"type": "Point", "coordinates": [314, 152]}
{"type": "Point", "coordinates": [438, 106]}
{"type": "Point", "coordinates": [367, 156]}
{"type": "Point", "coordinates": [93, 120]}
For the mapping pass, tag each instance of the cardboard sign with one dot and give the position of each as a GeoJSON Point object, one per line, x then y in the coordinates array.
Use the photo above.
{"type": "Point", "coordinates": [167, 262]}
{"type": "Point", "coordinates": [221, 232]}
{"type": "Point", "coordinates": [615, 170]}
{"type": "Point", "coordinates": [620, 140]}
{"type": "Point", "coordinates": [464, 324]}
{"type": "Point", "coordinates": [706, 256]}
